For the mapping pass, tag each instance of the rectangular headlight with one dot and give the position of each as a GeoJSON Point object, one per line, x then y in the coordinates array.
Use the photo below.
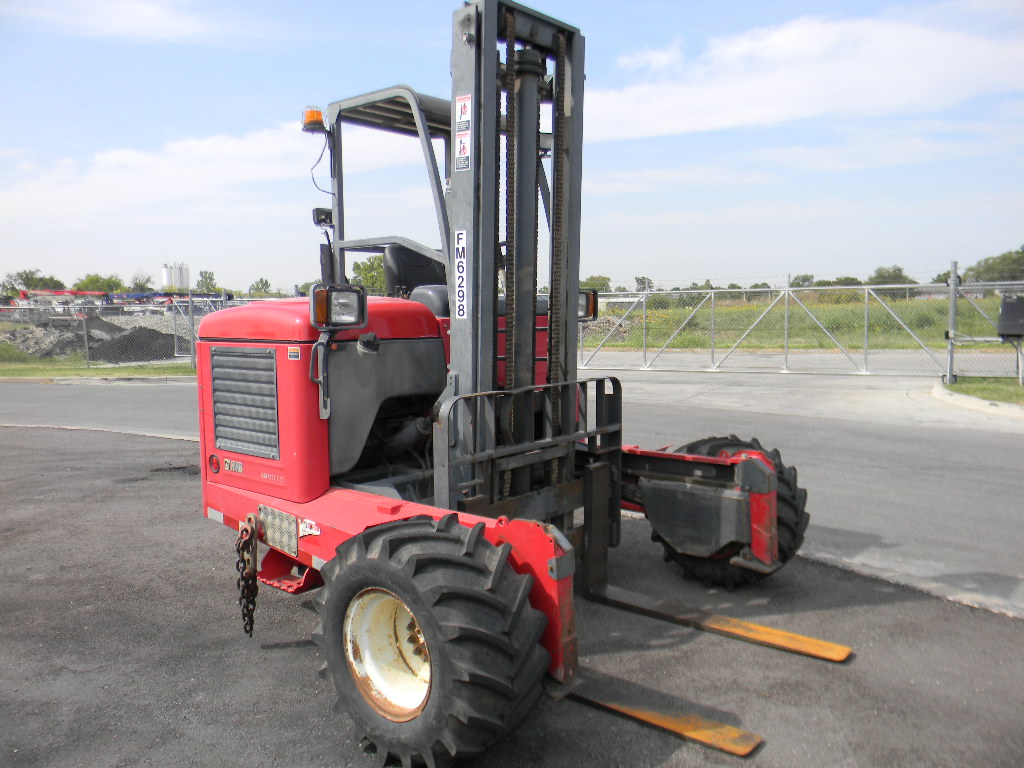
{"type": "Point", "coordinates": [587, 308]}
{"type": "Point", "coordinates": [333, 307]}
{"type": "Point", "coordinates": [345, 308]}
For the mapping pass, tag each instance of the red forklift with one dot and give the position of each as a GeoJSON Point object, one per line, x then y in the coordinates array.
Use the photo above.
{"type": "Point", "coordinates": [430, 462]}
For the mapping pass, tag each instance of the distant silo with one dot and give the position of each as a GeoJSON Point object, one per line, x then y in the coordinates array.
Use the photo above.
{"type": "Point", "coordinates": [176, 275]}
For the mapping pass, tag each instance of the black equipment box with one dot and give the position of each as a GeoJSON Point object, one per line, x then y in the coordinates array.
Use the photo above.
{"type": "Point", "coordinates": [1011, 318]}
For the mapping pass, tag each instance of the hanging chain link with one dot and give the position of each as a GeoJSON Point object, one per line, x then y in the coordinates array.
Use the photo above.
{"type": "Point", "coordinates": [248, 587]}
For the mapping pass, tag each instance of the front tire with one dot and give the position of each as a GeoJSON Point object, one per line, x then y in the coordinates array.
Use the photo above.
{"type": "Point", "coordinates": [430, 639]}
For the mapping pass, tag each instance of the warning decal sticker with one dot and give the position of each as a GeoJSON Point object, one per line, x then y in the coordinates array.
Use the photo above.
{"type": "Point", "coordinates": [463, 144]}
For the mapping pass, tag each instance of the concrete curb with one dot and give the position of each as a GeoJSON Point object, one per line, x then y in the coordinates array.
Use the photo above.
{"type": "Point", "coordinates": [939, 392]}
{"type": "Point", "coordinates": [98, 380]}
{"type": "Point", "coordinates": [967, 597]}
{"type": "Point", "coordinates": [158, 435]}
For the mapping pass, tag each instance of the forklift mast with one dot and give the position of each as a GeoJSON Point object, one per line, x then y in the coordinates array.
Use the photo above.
{"type": "Point", "coordinates": [514, 71]}
{"type": "Point", "coordinates": [507, 64]}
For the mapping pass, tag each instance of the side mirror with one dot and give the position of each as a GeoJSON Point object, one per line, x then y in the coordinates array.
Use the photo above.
{"type": "Point", "coordinates": [334, 307]}
{"type": "Point", "coordinates": [587, 308]}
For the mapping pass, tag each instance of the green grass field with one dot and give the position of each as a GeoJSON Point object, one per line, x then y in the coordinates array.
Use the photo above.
{"type": "Point", "coordinates": [17, 364]}
{"type": "Point", "coordinates": [825, 318]}
{"type": "Point", "coordinates": [69, 369]}
{"type": "Point", "coordinates": [1001, 390]}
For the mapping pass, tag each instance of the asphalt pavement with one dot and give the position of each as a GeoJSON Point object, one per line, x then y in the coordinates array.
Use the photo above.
{"type": "Point", "coordinates": [121, 644]}
{"type": "Point", "coordinates": [902, 486]}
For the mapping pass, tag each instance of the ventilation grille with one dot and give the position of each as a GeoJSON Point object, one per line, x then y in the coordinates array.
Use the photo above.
{"type": "Point", "coordinates": [245, 400]}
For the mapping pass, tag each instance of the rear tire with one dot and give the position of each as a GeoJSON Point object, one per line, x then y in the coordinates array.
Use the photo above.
{"type": "Point", "coordinates": [792, 517]}
{"type": "Point", "coordinates": [455, 661]}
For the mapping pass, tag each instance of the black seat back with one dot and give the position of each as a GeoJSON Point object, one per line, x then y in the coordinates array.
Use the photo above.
{"type": "Point", "coordinates": [435, 297]}
{"type": "Point", "coordinates": [405, 269]}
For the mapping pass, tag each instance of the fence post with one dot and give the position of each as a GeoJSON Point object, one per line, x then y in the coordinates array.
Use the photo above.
{"type": "Point", "coordinates": [785, 327]}
{"type": "Point", "coordinates": [191, 331]}
{"type": "Point", "coordinates": [645, 326]}
{"type": "Point", "coordinates": [712, 329]}
{"type": "Point", "coordinates": [867, 325]}
{"type": "Point", "coordinates": [954, 282]}
{"type": "Point", "coordinates": [85, 337]}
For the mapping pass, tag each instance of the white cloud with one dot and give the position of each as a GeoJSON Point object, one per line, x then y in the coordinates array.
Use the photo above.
{"type": "Point", "coordinates": [807, 68]}
{"type": "Point", "coordinates": [197, 172]}
{"type": "Point", "coordinates": [746, 214]}
{"type": "Point", "coordinates": [235, 204]}
{"type": "Point", "coordinates": [653, 59]}
{"type": "Point", "coordinates": [136, 20]}
{"type": "Point", "coordinates": [991, 17]}
{"type": "Point", "coordinates": [874, 146]}
{"type": "Point", "coordinates": [833, 235]}
{"type": "Point", "coordinates": [645, 180]}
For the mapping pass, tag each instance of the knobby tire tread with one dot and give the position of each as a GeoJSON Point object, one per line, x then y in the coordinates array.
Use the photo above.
{"type": "Point", "coordinates": [481, 631]}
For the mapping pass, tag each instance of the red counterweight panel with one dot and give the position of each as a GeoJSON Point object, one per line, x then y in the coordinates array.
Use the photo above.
{"type": "Point", "coordinates": [260, 425]}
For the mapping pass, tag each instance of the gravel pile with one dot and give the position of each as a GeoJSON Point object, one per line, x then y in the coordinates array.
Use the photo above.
{"type": "Point", "coordinates": [135, 346]}
{"type": "Point", "coordinates": [109, 340]}
{"type": "Point", "coordinates": [604, 325]}
{"type": "Point", "coordinates": [43, 341]}
{"type": "Point", "coordinates": [163, 323]}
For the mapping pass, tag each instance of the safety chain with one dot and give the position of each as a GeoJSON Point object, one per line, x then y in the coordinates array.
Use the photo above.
{"type": "Point", "coordinates": [248, 586]}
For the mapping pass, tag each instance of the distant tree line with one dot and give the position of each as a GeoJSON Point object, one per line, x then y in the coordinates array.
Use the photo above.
{"type": "Point", "coordinates": [34, 280]}
{"type": "Point", "coordinates": [1008, 266]}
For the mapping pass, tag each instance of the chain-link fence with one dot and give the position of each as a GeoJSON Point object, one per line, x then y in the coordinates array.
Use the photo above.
{"type": "Point", "coordinates": [893, 329]}
{"type": "Point", "coordinates": [897, 329]}
{"type": "Point", "coordinates": [104, 335]}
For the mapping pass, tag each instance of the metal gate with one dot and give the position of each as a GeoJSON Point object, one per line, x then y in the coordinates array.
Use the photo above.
{"type": "Point", "coordinates": [888, 329]}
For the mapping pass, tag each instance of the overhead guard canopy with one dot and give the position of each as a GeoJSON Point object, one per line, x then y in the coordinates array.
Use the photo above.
{"type": "Point", "coordinates": [391, 109]}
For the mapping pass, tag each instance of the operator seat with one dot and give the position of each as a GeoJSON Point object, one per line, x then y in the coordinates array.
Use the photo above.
{"type": "Point", "coordinates": [405, 270]}
{"type": "Point", "coordinates": [435, 297]}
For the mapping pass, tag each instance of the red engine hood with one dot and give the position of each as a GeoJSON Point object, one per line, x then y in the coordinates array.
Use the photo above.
{"type": "Point", "coordinates": [288, 320]}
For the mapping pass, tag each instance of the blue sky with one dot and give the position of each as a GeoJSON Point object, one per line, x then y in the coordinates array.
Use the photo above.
{"type": "Point", "coordinates": [737, 141]}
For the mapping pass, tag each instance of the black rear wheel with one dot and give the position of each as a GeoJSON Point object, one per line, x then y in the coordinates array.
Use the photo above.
{"type": "Point", "coordinates": [792, 517]}
{"type": "Point", "coordinates": [430, 639]}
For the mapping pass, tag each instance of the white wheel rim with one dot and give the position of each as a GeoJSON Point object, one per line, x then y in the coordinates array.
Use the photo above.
{"type": "Point", "coordinates": [386, 654]}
